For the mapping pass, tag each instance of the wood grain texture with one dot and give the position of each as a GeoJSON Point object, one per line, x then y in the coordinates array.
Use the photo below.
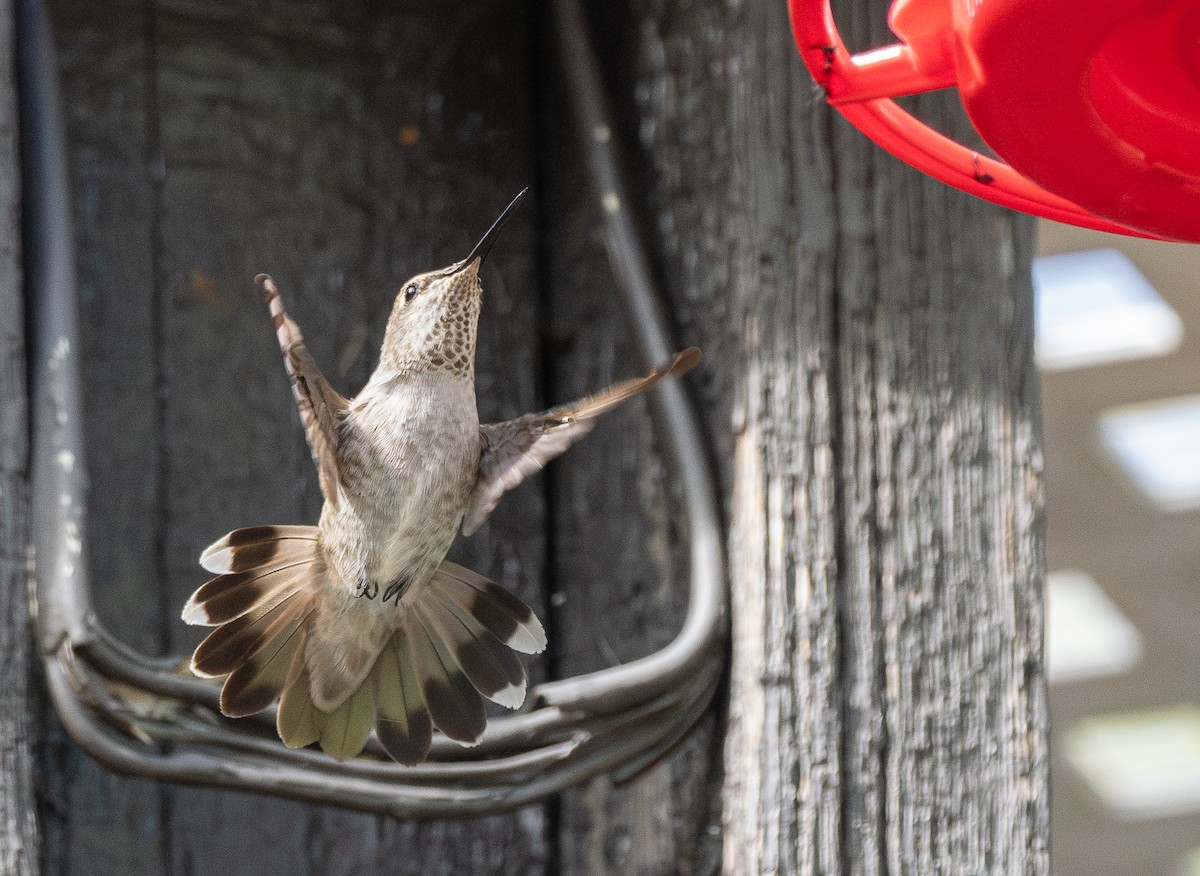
{"type": "Point", "coordinates": [342, 147]}
{"type": "Point", "coordinates": [91, 818]}
{"type": "Point", "coordinates": [19, 836]}
{"type": "Point", "coordinates": [739, 188]}
{"type": "Point", "coordinates": [618, 571]}
{"type": "Point", "coordinates": [868, 334]}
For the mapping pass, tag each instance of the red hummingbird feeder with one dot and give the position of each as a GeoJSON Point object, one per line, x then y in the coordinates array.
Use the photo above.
{"type": "Point", "coordinates": [1093, 106]}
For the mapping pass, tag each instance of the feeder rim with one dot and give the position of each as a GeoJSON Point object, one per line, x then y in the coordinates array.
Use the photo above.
{"type": "Point", "coordinates": [860, 86]}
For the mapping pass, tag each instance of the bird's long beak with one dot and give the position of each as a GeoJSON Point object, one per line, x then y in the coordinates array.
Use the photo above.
{"type": "Point", "coordinates": [485, 243]}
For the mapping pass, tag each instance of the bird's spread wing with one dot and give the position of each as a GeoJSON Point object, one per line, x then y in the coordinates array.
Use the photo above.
{"type": "Point", "coordinates": [515, 449]}
{"type": "Point", "coordinates": [321, 407]}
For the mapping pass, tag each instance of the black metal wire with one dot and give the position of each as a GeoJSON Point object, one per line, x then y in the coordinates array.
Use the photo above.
{"type": "Point", "coordinates": [113, 700]}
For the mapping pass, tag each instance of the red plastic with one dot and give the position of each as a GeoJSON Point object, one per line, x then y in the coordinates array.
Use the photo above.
{"type": "Point", "coordinates": [1103, 133]}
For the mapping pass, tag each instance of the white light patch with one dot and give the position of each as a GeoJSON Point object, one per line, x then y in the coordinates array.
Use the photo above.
{"type": "Point", "coordinates": [1086, 635]}
{"type": "Point", "coordinates": [1158, 445]}
{"type": "Point", "coordinates": [1191, 864]}
{"type": "Point", "coordinates": [1143, 765]}
{"type": "Point", "coordinates": [1095, 306]}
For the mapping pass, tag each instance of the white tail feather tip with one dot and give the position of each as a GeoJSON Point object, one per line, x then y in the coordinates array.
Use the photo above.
{"type": "Point", "coordinates": [512, 697]}
{"type": "Point", "coordinates": [529, 637]}
{"type": "Point", "coordinates": [216, 558]}
{"type": "Point", "coordinates": [195, 614]}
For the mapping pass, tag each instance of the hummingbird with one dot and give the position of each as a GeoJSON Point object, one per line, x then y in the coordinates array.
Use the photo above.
{"type": "Point", "coordinates": [360, 621]}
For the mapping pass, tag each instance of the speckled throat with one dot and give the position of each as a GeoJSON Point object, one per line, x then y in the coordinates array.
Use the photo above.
{"type": "Point", "coordinates": [440, 337]}
{"type": "Point", "coordinates": [433, 322]}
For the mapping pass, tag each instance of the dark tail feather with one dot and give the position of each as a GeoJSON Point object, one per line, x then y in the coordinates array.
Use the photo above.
{"type": "Point", "coordinates": [508, 618]}
{"type": "Point", "coordinates": [260, 606]}
{"type": "Point", "coordinates": [444, 656]}
{"type": "Point", "coordinates": [402, 721]}
{"type": "Point", "coordinates": [492, 667]}
{"type": "Point", "coordinates": [259, 681]}
{"type": "Point", "coordinates": [232, 644]}
{"type": "Point", "coordinates": [257, 546]}
{"type": "Point", "coordinates": [253, 566]}
{"type": "Point", "coordinates": [453, 702]}
{"type": "Point", "coordinates": [228, 597]}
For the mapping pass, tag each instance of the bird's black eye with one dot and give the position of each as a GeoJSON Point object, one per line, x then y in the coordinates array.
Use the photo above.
{"type": "Point", "coordinates": [410, 292]}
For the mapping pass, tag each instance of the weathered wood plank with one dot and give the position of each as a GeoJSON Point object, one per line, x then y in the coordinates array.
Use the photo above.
{"type": "Point", "coordinates": [741, 194]}
{"type": "Point", "coordinates": [19, 836]}
{"type": "Point", "coordinates": [95, 821]}
{"type": "Point", "coordinates": [952, 515]}
{"type": "Point", "coordinates": [940, 399]}
{"type": "Point", "coordinates": [331, 145]}
{"type": "Point", "coordinates": [870, 334]}
{"type": "Point", "coordinates": [327, 144]}
{"type": "Point", "coordinates": [617, 570]}
{"type": "Point", "coordinates": [721, 213]}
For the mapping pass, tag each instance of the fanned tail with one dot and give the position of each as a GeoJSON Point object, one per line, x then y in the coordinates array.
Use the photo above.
{"type": "Point", "coordinates": [454, 642]}
{"type": "Point", "coordinates": [277, 637]}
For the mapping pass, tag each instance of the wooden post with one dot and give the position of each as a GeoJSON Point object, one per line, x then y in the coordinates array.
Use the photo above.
{"type": "Point", "coordinates": [873, 398]}
{"type": "Point", "coordinates": [19, 841]}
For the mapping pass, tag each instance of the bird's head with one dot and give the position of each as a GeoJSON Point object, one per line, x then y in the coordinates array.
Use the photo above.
{"type": "Point", "coordinates": [436, 314]}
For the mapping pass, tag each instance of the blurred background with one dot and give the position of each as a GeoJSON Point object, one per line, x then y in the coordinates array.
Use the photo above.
{"type": "Point", "coordinates": [1118, 340]}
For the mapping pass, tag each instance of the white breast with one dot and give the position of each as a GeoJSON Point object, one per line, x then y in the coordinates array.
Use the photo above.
{"type": "Point", "coordinates": [412, 444]}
